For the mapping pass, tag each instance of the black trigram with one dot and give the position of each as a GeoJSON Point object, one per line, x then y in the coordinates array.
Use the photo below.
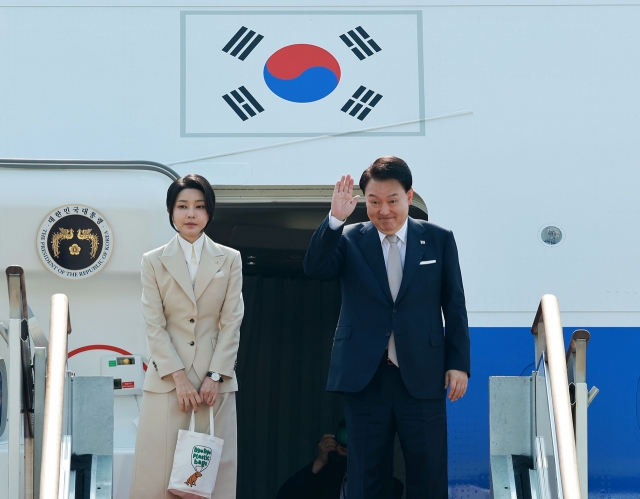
{"type": "Point", "coordinates": [238, 46]}
{"type": "Point", "coordinates": [243, 99]}
{"type": "Point", "coordinates": [361, 99]}
{"type": "Point", "coordinates": [362, 40]}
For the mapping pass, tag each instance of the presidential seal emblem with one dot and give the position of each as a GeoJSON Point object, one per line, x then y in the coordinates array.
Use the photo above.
{"type": "Point", "coordinates": [75, 241]}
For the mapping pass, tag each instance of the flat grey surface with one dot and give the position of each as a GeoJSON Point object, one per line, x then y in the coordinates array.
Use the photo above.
{"type": "Point", "coordinates": [535, 488]}
{"type": "Point", "coordinates": [4, 390]}
{"type": "Point", "coordinates": [92, 420]}
{"type": "Point", "coordinates": [39, 375]}
{"type": "Point", "coordinates": [501, 478]}
{"type": "Point", "coordinates": [103, 478]}
{"type": "Point", "coordinates": [544, 427]}
{"type": "Point", "coordinates": [72, 485]}
{"type": "Point", "coordinates": [510, 415]}
{"type": "Point", "coordinates": [541, 466]}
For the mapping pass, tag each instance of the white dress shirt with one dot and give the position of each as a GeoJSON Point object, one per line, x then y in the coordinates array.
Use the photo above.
{"type": "Point", "coordinates": [335, 224]}
{"type": "Point", "coordinates": [192, 254]}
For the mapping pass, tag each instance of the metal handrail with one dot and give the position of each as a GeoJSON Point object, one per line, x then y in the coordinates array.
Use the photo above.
{"type": "Point", "coordinates": [18, 307]}
{"type": "Point", "coordinates": [578, 334]}
{"type": "Point", "coordinates": [547, 328]}
{"type": "Point", "coordinates": [577, 373]}
{"type": "Point", "coordinates": [20, 377]}
{"type": "Point", "coordinates": [54, 398]}
{"type": "Point", "coordinates": [74, 164]}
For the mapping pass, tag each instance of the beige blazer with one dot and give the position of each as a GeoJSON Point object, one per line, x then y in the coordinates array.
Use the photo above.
{"type": "Point", "coordinates": [192, 327]}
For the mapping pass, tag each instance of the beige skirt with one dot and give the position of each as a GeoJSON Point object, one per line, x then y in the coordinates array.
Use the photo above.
{"type": "Point", "coordinates": [160, 420]}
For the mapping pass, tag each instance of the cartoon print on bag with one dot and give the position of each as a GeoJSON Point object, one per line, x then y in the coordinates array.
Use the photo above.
{"type": "Point", "coordinates": [191, 481]}
{"type": "Point", "coordinates": [200, 458]}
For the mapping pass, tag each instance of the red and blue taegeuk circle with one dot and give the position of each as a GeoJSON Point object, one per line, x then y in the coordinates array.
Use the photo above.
{"type": "Point", "coordinates": [302, 73]}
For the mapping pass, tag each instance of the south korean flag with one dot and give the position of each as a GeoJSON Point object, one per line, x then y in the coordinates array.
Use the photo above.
{"type": "Point", "coordinates": [301, 73]}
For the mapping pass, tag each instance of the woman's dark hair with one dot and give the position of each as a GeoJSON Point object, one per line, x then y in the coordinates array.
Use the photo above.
{"type": "Point", "coordinates": [191, 181]}
{"type": "Point", "coordinates": [387, 167]}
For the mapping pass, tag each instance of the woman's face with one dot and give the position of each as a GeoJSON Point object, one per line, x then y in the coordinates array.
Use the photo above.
{"type": "Point", "coordinates": [189, 214]}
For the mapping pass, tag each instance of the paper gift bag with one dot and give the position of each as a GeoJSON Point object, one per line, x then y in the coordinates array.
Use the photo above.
{"type": "Point", "coordinates": [195, 462]}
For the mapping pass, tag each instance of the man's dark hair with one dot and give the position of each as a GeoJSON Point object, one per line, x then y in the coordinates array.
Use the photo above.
{"type": "Point", "coordinates": [387, 167]}
{"type": "Point", "coordinates": [191, 181]}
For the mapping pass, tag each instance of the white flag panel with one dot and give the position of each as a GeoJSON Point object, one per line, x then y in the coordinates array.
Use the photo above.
{"type": "Point", "coordinates": [224, 91]}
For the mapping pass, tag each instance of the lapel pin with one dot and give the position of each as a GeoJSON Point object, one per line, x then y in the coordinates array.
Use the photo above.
{"type": "Point", "coordinates": [421, 242]}
{"type": "Point", "coordinates": [217, 261]}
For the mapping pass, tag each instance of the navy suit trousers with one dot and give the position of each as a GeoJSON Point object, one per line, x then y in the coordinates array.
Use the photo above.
{"type": "Point", "coordinates": [373, 416]}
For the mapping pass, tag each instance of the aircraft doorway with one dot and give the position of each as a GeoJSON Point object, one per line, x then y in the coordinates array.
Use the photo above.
{"type": "Point", "coordinates": [287, 332]}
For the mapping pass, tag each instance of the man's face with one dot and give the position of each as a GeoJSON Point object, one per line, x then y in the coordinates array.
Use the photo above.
{"type": "Point", "coordinates": [387, 204]}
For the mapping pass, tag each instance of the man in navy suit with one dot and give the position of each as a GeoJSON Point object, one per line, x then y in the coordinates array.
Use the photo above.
{"type": "Point", "coordinates": [391, 356]}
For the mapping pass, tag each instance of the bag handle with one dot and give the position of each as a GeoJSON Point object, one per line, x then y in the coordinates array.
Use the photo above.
{"type": "Point", "coordinates": [211, 421]}
{"type": "Point", "coordinates": [192, 424]}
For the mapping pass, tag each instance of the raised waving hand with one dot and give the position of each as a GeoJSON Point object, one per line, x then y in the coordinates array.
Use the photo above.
{"type": "Point", "coordinates": [343, 201]}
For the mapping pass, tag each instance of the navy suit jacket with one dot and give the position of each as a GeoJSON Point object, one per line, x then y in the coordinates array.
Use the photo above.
{"type": "Point", "coordinates": [353, 253]}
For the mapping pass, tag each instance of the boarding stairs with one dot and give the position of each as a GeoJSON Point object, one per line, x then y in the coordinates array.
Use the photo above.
{"type": "Point", "coordinates": [62, 447]}
{"type": "Point", "coordinates": [538, 423]}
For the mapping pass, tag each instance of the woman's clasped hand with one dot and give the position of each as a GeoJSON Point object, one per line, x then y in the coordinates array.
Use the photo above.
{"type": "Point", "coordinates": [188, 396]}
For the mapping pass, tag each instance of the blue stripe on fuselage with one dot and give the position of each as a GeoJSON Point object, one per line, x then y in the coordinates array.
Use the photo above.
{"type": "Point", "coordinates": [613, 365]}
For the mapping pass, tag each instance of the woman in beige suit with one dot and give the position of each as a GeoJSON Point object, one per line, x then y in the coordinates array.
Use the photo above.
{"type": "Point", "coordinates": [192, 304]}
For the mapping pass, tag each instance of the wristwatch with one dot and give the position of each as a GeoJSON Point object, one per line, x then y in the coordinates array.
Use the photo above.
{"type": "Point", "coordinates": [215, 376]}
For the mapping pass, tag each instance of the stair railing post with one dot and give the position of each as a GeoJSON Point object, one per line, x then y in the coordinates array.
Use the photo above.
{"type": "Point", "coordinates": [54, 397]}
